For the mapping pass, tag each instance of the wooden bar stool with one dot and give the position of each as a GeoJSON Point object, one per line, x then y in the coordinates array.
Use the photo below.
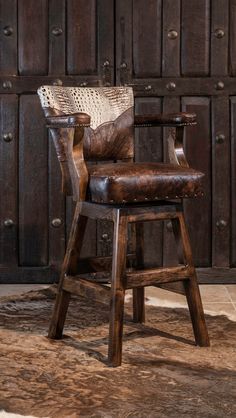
{"type": "Point", "coordinates": [97, 124]}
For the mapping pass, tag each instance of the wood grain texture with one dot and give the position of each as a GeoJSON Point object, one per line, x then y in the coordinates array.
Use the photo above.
{"type": "Point", "coordinates": [233, 182]}
{"type": "Point", "coordinates": [85, 288]}
{"type": "Point", "coordinates": [69, 266]}
{"type": "Point", "coordinates": [117, 290]}
{"type": "Point", "coordinates": [81, 37]}
{"type": "Point", "coordinates": [196, 54]}
{"type": "Point", "coordinates": [33, 37]}
{"type": "Point", "coordinates": [147, 28]}
{"type": "Point", "coordinates": [139, 292]}
{"type": "Point", "coordinates": [9, 180]}
{"type": "Point", "coordinates": [170, 104]}
{"type": "Point", "coordinates": [191, 286]}
{"type": "Point", "coordinates": [57, 37]}
{"type": "Point", "coordinates": [149, 147]}
{"type": "Point", "coordinates": [195, 37]}
{"type": "Point", "coordinates": [33, 184]}
{"type": "Point", "coordinates": [232, 41]}
{"type": "Point", "coordinates": [170, 45]}
{"type": "Point", "coordinates": [219, 45]}
{"type": "Point", "coordinates": [56, 210]}
{"type": "Point", "coordinates": [8, 43]}
{"type": "Point", "coordinates": [105, 37]}
{"type": "Point", "coordinates": [220, 183]}
{"type": "Point", "coordinates": [152, 277]}
{"type": "Point", "coordinates": [198, 151]}
{"type": "Point", "coordinates": [124, 47]}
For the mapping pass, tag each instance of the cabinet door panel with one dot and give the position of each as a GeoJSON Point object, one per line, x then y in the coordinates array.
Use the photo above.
{"type": "Point", "coordinates": [198, 151]}
{"type": "Point", "coordinates": [195, 37]}
{"type": "Point", "coordinates": [33, 37]}
{"type": "Point", "coordinates": [33, 184]}
{"type": "Point", "coordinates": [43, 42]}
{"type": "Point", "coordinates": [192, 68]}
{"type": "Point", "coordinates": [8, 180]}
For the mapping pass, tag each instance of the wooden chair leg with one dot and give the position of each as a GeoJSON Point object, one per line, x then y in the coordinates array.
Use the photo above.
{"type": "Point", "coordinates": [191, 286]}
{"type": "Point", "coordinates": [117, 290]}
{"type": "Point", "coordinates": [69, 266]}
{"type": "Point", "coordinates": [139, 292]}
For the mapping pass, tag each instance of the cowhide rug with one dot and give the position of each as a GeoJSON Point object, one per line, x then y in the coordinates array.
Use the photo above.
{"type": "Point", "coordinates": [4, 414]}
{"type": "Point", "coordinates": [163, 373]}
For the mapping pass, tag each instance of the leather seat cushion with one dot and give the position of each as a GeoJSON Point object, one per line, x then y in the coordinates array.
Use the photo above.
{"type": "Point", "coordinates": [140, 182]}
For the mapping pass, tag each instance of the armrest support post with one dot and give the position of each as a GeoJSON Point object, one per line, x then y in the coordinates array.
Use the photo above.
{"type": "Point", "coordinates": [175, 142]}
{"type": "Point", "coordinates": [165, 119]}
{"type": "Point", "coordinates": [67, 132]}
{"type": "Point", "coordinates": [176, 122]}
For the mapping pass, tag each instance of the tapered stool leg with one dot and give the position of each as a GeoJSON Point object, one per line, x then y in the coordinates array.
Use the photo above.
{"type": "Point", "coordinates": [117, 290]}
{"type": "Point", "coordinates": [139, 292]}
{"type": "Point", "coordinates": [191, 286]}
{"type": "Point", "coordinates": [69, 267]}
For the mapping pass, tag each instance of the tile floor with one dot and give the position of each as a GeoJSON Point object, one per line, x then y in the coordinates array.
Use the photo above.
{"type": "Point", "coordinates": [217, 299]}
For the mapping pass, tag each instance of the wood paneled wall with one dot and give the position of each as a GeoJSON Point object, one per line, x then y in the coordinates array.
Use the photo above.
{"type": "Point", "coordinates": [177, 54]}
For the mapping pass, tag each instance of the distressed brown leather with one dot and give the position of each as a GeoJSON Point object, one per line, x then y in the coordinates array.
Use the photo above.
{"type": "Point", "coordinates": [140, 182]}
{"type": "Point", "coordinates": [110, 137]}
{"type": "Point", "coordinates": [112, 140]}
{"type": "Point", "coordinates": [74, 119]}
{"type": "Point", "coordinates": [166, 119]}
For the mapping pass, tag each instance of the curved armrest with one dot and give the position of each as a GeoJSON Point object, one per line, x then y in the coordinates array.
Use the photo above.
{"type": "Point", "coordinates": [68, 121]}
{"type": "Point", "coordinates": [165, 119]}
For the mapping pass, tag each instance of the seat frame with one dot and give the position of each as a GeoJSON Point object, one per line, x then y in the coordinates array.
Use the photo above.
{"type": "Point", "coordinates": [80, 276]}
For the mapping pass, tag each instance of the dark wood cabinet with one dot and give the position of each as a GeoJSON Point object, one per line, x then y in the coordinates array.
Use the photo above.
{"type": "Point", "coordinates": [176, 55]}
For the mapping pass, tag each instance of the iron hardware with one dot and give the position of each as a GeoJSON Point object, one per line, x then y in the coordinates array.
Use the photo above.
{"type": "Point", "coordinates": [219, 85]}
{"type": "Point", "coordinates": [106, 73]}
{"type": "Point", "coordinates": [220, 138]}
{"type": "Point", "coordinates": [57, 31]}
{"type": "Point", "coordinates": [8, 223]}
{"type": "Point", "coordinates": [8, 31]}
{"type": "Point", "coordinates": [56, 222]}
{"type": "Point", "coordinates": [221, 224]}
{"type": "Point", "coordinates": [172, 34]}
{"type": "Point", "coordinates": [105, 237]}
{"type": "Point", "coordinates": [7, 137]}
{"type": "Point", "coordinates": [219, 33]}
{"type": "Point", "coordinates": [171, 86]}
{"type": "Point", "coordinates": [7, 84]}
{"type": "Point", "coordinates": [169, 226]}
{"type": "Point", "coordinates": [57, 82]}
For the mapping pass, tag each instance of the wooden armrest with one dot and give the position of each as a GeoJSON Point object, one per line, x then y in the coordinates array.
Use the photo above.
{"type": "Point", "coordinates": [165, 119]}
{"type": "Point", "coordinates": [68, 121]}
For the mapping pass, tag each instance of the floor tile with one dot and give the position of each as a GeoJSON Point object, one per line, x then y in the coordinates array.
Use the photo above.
{"type": "Point", "coordinates": [161, 297]}
{"type": "Point", "coordinates": [18, 289]}
{"type": "Point", "coordinates": [231, 288]}
{"type": "Point", "coordinates": [227, 309]}
{"type": "Point", "coordinates": [214, 293]}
